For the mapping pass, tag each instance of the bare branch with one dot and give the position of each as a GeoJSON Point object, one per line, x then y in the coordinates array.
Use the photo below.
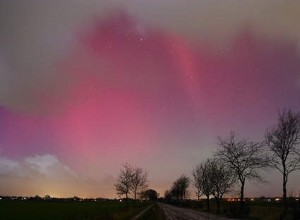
{"type": "Point", "coordinates": [243, 157]}
{"type": "Point", "coordinates": [179, 188]}
{"type": "Point", "coordinates": [123, 183]}
{"type": "Point", "coordinates": [283, 141]}
{"type": "Point", "coordinates": [131, 180]}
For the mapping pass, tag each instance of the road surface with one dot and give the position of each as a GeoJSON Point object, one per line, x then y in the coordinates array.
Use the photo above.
{"type": "Point", "coordinates": [178, 213]}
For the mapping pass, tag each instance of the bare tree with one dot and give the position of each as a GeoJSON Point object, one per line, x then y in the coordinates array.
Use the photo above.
{"type": "Point", "coordinates": [221, 179]}
{"type": "Point", "coordinates": [175, 191]}
{"type": "Point", "coordinates": [167, 195]}
{"type": "Point", "coordinates": [131, 180]}
{"type": "Point", "coordinates": [244, 158]}
{"type": "Point", "coordinates": [197, 183]}
{"type": "Point", "coordinates": [283, 141]}
{"type": "Point", "coordinates": [124, 181]}
{"type": "Point", "coordinates": [183, 183]}
{"type": "Point", "coordinates": [178, 189]}
{"type": "Point", "coordinates": [202, 180]}
{"type": "Point", "coordinates": [139, 181]}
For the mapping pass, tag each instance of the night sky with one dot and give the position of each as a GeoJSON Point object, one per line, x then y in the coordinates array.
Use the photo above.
{"type": "Point", "coordinates": [88, 86]}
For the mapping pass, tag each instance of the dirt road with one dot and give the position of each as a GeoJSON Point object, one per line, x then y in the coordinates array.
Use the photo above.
{"type": "Point", "coordinates": [177, 213]}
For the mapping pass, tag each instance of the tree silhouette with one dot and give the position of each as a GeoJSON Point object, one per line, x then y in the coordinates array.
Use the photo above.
{"type": "Point", "coordinates": [202, 180]}
{"type": "Point", "coordinates": [131, 180]}
{"type": "Point", "coordinates": [150, 194]}
{"type": "Point", "coordinates": [124, 180]}
{"type": "Point", "coordinates": [139, 181]}
{"type": "Point", "coordinates": [283, 141]}
{"type": "Point", "coordinates": [183, 183]}
{"type": "Point", "coordinates": [221, 179]}
{"type": "Point", "coordinates": [244, 158]}
{"type": "Point", "coordinates": [178, 189]}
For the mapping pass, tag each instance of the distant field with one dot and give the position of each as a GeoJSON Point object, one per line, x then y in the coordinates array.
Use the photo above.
{"type": "Point", "coordinates": [73, 210]}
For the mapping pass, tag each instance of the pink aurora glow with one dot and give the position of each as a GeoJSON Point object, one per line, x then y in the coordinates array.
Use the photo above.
{"type": "Point", "coordinates": [137, 93]}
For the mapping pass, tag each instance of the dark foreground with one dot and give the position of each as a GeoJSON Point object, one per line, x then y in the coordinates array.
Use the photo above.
{"type": "Point", "coordinates": [75, 210]}
{"type": "Point", "coordinates": [230, 210]}
{"type": "Point", "coordinates": [116, 210]}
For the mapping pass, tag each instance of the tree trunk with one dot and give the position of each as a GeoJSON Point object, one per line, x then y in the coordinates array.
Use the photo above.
{"type": "Point", "coordinates": [284, 199]}
{"type": "Point", "coordinates": [218, 205]}
{"type": "Point", "coordinates": [242, 197]}
{"type": "Point", "coordinates": [207, 203]}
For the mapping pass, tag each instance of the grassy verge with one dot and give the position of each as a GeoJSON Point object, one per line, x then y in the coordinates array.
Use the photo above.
{"type": "Point", "coordinates": [48, 210]}
{"type": "Point", "coordinates": [272, 211]}
{"type": "Point", "coordinates": [253, 210]}
{"type": "Point", "coordinates": [154, 213]}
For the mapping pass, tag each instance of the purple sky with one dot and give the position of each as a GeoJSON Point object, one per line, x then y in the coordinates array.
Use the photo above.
{"type": "Point", "coordinates": [87, 87]}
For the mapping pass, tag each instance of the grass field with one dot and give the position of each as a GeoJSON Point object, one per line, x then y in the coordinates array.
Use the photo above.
{"type": "Point", "coordinates": [254, 210]}
{"type": "Point", "coordinates": [72, 210]}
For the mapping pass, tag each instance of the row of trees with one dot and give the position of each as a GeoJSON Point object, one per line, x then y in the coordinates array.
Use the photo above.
{"type": "Point", "coordinates": [238, 160]}
{"type": "Point", "coordinates": [178, 189]}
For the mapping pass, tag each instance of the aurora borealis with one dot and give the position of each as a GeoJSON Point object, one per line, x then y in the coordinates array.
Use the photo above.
{"type": "Point", "coordinates": [87, 87]}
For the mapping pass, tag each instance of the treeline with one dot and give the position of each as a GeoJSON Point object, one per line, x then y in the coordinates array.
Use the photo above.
{"type": "Point", "coordinates": [178, 189]}
{"type": "Point", "coordinates": [238, 160]}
